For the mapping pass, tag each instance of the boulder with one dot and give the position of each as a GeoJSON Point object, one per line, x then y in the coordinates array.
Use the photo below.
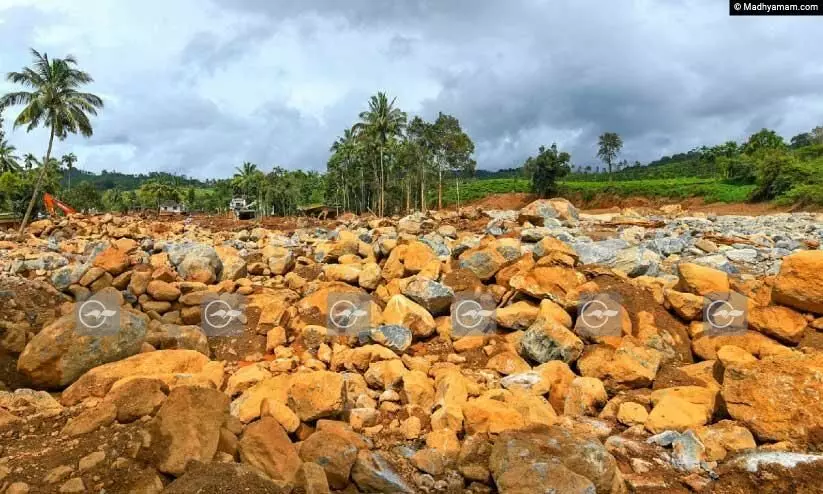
{"type": "Point", "coordinates": [394, 336]}
{"type": "Point", "coordinates": [681, 408]}
{"type": "Point", "coordinates": [403, 312]}
{"type": "Point", "coordinates": [64, 350]}
{"type": "Point", "coordinates": [548, 339]}
{"type": "Point", "coordinates": [483, 263]}
{"type": "Point", "coordinates": [797, 285]}
{"type": "Point", "coordinates": [112, 260]}
{"type": "Point", "coordinates": [701, 280]}
{"type": "Point", "coordinates": [372, 472]}
{"type": "Point", "coordinates": [776, 397]}
{"type": "Point", "coordinates": [161, 290]}
{"type": "Point", "coordinates": [137, 397]}
{"type": "Point", "coordinates": [266, 446]}
{"type": "Point", "coordinates": [168, 365]}
{"type": "Point", "coordinates": [172, 336]}
{"type": "Point", "coordinates": [629, 366]}
{"type": "Point", "coordinates": [196, 262]}
{"type": "Point", "coordinates": [431, 295]}
{"type": "Point", "coordinates": [314, 395]}
{"type": "Point", "coordinates": [542, 211]}
{"type": "Point", "coordinates": [187, 427]}
{"type": "Point", "coordinates": [553, 459]}
{"type": "Point", "coordinates": [778, 322]}
{"type": "Point", "coordinates": [333, 453]}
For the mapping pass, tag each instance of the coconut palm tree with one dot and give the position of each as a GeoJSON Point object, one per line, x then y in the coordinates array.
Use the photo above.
{"type": "Point", "coordinates": [245, 176]}
{"type": "Point", "coordinates": [69, 160]}
{"type": "Point", "coordinates": [29, 160]}
{"type": "Point", "coordinates": [609, 145]}
{"type": "Point", "coordinates": [382, 121]}
{"type": "Point", "coordinates": [8, 161]}
{"type": "Point", "coordinates": [54, 102]}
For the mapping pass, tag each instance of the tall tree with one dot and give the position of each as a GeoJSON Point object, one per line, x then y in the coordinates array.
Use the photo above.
{"type": "Point", "coordinates": [69, 160]}
{"type": "Point", "coordinates": [546, 168]}
{"type": "Point", "coordinates": [382, 121]}
{"type": "Point", "coordinates": [244, 177]}
{"type": "Point", "coordinates": [453, 150]}
{"type": "Point", "coordinates": [29, 160]}
{"type": "Point", "coordinates": [609, 145]}
{"type": "Point", "coordinates": [54, 101]}
{"type": "Point", "coordinates": [8, 161]}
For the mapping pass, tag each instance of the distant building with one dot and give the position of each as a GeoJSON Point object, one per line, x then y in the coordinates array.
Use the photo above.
{"type": "Point", "coordinates": [172, 207]}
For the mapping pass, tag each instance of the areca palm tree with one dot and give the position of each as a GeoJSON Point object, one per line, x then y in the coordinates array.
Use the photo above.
{"type": "Point", "coordinates": [54, 102]}
{"type": "Point", "coordinates": [382, 121]}
{"type": "Point", "coordinates": [8, 161]}
{"type": "Point", "coordinates": [69, 160]}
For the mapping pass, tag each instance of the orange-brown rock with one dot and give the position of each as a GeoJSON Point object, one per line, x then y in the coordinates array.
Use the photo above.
{"type": "Point", "coordinates": [798, 283]}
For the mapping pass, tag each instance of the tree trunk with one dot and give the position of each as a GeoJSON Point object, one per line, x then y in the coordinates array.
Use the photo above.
{"type": "Point", "coordinates": [37, 184]}
{"type": "Point", "coordinates": [382, 184]}
{"type": "Point", "coordinates": [439, 187]}
{"type": "Point", "coordinates": [457, 180]}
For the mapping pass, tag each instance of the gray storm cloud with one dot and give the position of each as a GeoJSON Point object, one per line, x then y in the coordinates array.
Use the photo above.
{"type": "Point", "coordinates": [199, 87]}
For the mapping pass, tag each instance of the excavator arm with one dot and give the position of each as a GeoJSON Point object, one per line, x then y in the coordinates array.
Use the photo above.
{"type": "Point", "coordinates": [51, 202]}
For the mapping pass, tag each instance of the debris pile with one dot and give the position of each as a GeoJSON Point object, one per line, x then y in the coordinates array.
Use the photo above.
{"type": "Point", "coordinates": [539, 350]}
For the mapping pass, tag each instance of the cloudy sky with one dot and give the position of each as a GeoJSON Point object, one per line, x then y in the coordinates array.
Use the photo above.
{"type": "Point", "coordinates": [198, 86]}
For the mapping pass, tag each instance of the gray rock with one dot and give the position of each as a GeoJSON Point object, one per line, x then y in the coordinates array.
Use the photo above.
{"type": "Point", "coordinates": [372, 473]}
{"type": "Point", "coordinates": [431, 295]}
{"type": "Point", "coordinates": [637, 261]}
{"type": "Point", "coordinates": [752, 461]}
{"type": "Point", "coordinates": [545, 341]}
{"type": "Point", "coordinates": [688, 452]}
{"type": "Point", "coordinates": [603, 252]}
{"type": "Point", "coordinates": [190, 258]}
{"type": "Point", "coordinates": [742, 255]}
{"type": "Point", "coordinates": [667, 246]}
{"type": "Point", "coordinates": [68, 275]}
{"type": "Point", "coordinates": [393, 336]}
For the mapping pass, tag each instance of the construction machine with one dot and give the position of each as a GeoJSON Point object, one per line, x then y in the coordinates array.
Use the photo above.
{"type": "Point", "coordinates": [50, 202]}
{"type": "Point", "coordinates": [242, 210]}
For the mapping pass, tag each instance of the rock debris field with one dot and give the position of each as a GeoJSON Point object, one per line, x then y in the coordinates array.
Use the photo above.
{"type": "Point", "coordinates": [542, 350]}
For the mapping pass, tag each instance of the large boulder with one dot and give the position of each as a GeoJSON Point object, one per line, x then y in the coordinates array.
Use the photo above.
{"type": "Point", "coordinates": [798, 283]}
{"type": "Point", "coordinates": [547, 339]}
{"type": "Point", "coordinates": [431, 295]}
{"type": "Point", "coordinates": [373, 473]}
{"type": "Point", "coordinates": [170, 366]}
{"type": "Point", "coordinates": [266, 446]}
{"type": "Point", "coordinates": [542, 211]}
{"type": "Point", "coordinates": [778, 398]}
{"type": "Point", "coordinates": [552, 459]}
{"type": "Point", "coordinates": [187, 427]}
{"type": "Point", "coordinates": [196, 262]}
{"type": "Point", "coordinates": [65, 350]}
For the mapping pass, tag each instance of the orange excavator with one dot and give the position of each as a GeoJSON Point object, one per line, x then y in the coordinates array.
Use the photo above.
{"type": "Point", "coordinates": [50, 202]}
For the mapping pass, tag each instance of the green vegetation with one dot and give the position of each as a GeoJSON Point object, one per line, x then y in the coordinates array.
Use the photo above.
{"type": "Point", "coordinates": [53, 102]}
{"type": "Point", "coordinates": [385, 162]}
{"type": "Point", "coordinates": [545, 169]}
